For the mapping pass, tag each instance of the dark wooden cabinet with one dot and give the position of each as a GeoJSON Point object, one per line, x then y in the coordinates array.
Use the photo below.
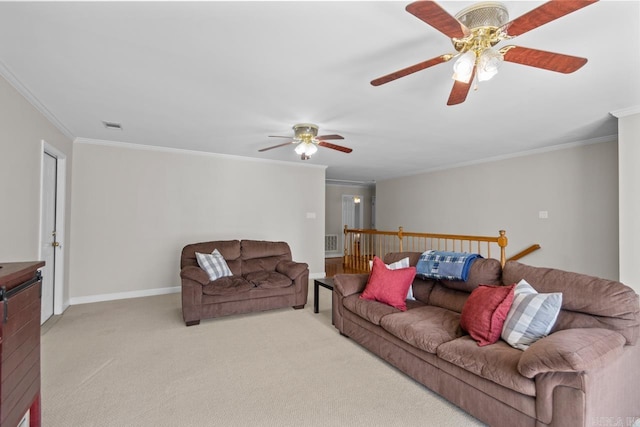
{"type": "Point", "coordinates": [20, 295]}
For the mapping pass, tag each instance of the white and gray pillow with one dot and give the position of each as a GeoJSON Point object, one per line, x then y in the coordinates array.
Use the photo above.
{"type": "Point", "coordinates": [531, 316]}
{"type": "Point", "coordinates": [214, 264]}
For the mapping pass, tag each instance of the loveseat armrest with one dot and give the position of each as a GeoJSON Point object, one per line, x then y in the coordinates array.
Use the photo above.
{"type": "Point", "coordinates": [196, 274]}
{"type": "Point", "coordinates": [291, 269]}
{"type": "Point", "coordinates": [349, 284]}
{"type": "Point", "coordinates": [571, 350]}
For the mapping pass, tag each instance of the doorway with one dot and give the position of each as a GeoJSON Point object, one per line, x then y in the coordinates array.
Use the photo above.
{"type": "Point", "coordinates": [352, 212]}
{"type": "Point", "coordinates": [52, 230]}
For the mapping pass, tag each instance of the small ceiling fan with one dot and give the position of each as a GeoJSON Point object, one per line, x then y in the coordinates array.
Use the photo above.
{"type": "Point", "coordinates": [475, 30]}
{"type": "Point", "coordinates": [306, 136]}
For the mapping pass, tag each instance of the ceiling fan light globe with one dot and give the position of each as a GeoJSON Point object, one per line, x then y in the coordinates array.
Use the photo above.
{"type": "Point", "coordinates": [488, 64]}
{"type": "Point", "coordinates": [463, 67]}
{"type": "Point", "coordinates": [311, 149]}
{"type": "Point", "coordinates": [300, 148]}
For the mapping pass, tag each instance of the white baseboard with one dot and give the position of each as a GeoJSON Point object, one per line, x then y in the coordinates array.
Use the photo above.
{"type": "Point", "coordinates": [124, 295]}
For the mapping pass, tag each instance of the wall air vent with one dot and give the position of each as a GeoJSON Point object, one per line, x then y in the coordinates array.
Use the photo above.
{"type": "Point", "coordinates": [112, 125]}
{"type": "Point", "coordinates": [331, 243]}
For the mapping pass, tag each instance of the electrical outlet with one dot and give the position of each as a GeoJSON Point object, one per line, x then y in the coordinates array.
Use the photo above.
{"type": "Point", "coordinates": [543, 214]}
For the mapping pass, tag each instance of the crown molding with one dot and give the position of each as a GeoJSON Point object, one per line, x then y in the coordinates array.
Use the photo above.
{"type": "Point", "coordinates": [624, 112]}
{"type": "Point", "coordinates": [602, 139]}
{"type": "Point", "coordinates": [143, 147]}
{"type": "Point", "coordinates": [345, 182]}
{"type": "Point", "coordinates": [29, 96]}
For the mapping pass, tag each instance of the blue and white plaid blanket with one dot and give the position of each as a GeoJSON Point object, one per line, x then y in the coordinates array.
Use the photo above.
{"type": "Point", "coordinates": [445, 265]}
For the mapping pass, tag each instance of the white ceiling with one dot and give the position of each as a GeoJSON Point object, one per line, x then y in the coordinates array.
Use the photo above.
{"type": "Point", "coordinates": [222, 76]}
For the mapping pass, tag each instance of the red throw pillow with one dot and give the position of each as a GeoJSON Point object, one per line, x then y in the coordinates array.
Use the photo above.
{"type": "Point", "coordinates": [389, 286]}
{"type": "Point", "coordinates": [484, 312]}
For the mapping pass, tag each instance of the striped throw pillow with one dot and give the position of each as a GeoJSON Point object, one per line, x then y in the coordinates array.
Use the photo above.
{"type": "Point", "coordinates": [531, 316]}
{"type": "Point", "coordinates": [214, 264]}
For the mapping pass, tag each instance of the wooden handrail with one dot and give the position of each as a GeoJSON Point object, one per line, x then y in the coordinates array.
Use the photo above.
{"type": "Point", "coordinates": [524, 253]}
{"type": "Point", "coordinates": [361, 245]}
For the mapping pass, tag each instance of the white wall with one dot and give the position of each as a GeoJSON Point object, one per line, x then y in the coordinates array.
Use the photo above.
{"type": "Point", "coordinates": [22, 130]}
{"type": "Point", "coordinates": [577, 186]}
{"type": "Point", "coordinates": [333, 206]}
{"type": "Point", "coordinates": [629, 156]}
{"type": "Point", "coordinates": [134, 208]}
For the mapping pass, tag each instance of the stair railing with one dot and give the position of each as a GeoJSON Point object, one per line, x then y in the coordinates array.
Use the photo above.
{"type": "Point", "coordinates": [361, 245]}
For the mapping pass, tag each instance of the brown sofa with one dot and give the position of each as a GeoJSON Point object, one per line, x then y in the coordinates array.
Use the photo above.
{"type": "Point", "coordinates": [584, 373]}
{"type": "Point", "coordinates": [264, 278]}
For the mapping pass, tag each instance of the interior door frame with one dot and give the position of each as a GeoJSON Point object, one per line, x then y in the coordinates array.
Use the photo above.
{"type": "Point", "coordinates": [348, 204]}
{"type": "Point", "coordinates": [61, 179]}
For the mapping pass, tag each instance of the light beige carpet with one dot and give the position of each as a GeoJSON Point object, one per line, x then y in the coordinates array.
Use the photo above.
{"type": "Point", "coordinates": [134, 363]}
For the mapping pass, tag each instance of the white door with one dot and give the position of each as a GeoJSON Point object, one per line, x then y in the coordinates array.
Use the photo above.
{"type": "Point", "coordinates": [48, 233]}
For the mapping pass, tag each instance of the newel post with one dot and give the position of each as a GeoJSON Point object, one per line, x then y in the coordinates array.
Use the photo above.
{"type": "Point", "coordinates": [502, 242]}
{"type": "Point", "coordinates": [345, 261]}
{"type": "Point", "coordinates": [400, 237]}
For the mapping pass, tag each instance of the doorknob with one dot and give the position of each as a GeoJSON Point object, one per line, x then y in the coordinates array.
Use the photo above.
{"type": "Point", "coordinates": [55, 244]}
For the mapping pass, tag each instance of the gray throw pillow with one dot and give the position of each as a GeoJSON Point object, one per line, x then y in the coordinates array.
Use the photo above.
{"type": "Point", "coordinates": [214, 264]}
{"type": "Point", "coordinates": [531, 316]}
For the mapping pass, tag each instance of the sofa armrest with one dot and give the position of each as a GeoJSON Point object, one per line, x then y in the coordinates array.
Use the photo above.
{"type": "Point", "coordinates": [349, 284]}
{"type": "Point", "coordinates": [196, 274]}
{"type": "Point", "coordinates": [291, 269]}
{"type": "Point", "coordinates": [571, 350]}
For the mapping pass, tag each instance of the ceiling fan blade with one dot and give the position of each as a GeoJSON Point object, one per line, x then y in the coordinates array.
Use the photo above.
{"type": "Point", "coordinates": [433, 14]}
{"type": "Point", "coordinates": [276, 146]}
{"type": "Point", "coordinates": [541, 59]}
{"type": "Point", "coordinates": [412, 69]}
{"type": "Point", "coordinates": [543, 14]}
{"type": "Point", "coordinates": [334, 147]}
{"type": "Point", "coordinates": [278, 136]}
{"type": "Point", "coordinates": [460, 90]}
{"type": "Point", "coordinates": [325, 137]}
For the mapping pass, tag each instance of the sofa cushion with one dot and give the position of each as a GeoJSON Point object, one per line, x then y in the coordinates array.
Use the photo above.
{"type": "Point", "coordinates": [425, 327]}
{"type": "Point", "coordinates": [531, 316]}
{"type": "Point", "coordinates": [485, 271]}
{"type": "Point", "coordinates": [230, 250]}
{"type": "Point", "coordinates": [372, 311]}
{"type": "Point", "coordinates": [259, 255]}
{"type": "Point", "coordinates": [484, 312]}
{"type": "Point", "coordinates": [587, 301]}
{"type": "Point", "coordinates": [571, 350]}
{"type": "Point", "coordinates": [497, 362]}
{"type": "Point", "coordinates": [227, 286]}
{"type": "Point", "coordinates": [444, 297]}
{"type": "Point", "coordinates": [392, 257]}
{"type": "Point", "coordinates": [214, 264]}
{"type": "Point", "coordinates": [388, 286]}
{"type": "Point", "coordinates": [268, 279]}
{"type": "Point", "coordinates": [252, 249]}
{"type": "Point", "coordinates": [421, 289]}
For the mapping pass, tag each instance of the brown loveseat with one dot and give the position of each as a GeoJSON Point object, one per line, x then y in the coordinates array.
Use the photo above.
{"type": "Point", "coordinates": [264, 277]}
{"type": "Point", "coordinates": [584, 373]}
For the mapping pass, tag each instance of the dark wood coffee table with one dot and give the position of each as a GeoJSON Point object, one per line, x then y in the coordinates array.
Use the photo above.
{"type": "Point", "coordinates": [327, 283]}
